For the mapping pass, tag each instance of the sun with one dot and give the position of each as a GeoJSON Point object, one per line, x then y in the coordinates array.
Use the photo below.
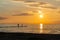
{"type": "Point", "coordinates": [40, 14]}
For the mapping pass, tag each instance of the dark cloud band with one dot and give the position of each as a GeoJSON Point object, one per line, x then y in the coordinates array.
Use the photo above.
{"type": "Point", "coordinates": [23, 14]}
{"type": "Point", "coordinates": [2, 18]}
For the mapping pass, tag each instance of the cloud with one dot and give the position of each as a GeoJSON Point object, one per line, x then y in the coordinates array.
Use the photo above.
{"type": "Point", "coordinates": [9, 7]}
{"type": "Point", "coordinates": [48, 7]}
{"type": "Point", "coordinates": [40, 4]}
{"type": "Point", "coordinates": [17, 0]}
{"type": "Point", "coordinates": [2, 18]}
{"type": "Point", "coordinates": [57, 0]}
{"type": "Point", "coordinates": [25, 0]}
{"type": "Point", "coordinates": [23, 14]}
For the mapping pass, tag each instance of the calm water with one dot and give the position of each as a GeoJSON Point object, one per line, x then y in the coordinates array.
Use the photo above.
{"type": "Point", "coordinates": [31, 28]}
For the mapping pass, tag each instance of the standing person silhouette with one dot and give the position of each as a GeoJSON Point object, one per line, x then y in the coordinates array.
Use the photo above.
{"type": "Point", "coordinates": [18, 25]}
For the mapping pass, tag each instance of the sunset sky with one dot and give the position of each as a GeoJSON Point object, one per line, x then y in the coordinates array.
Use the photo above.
{"type": "Point", "coordinates": [12, 11]}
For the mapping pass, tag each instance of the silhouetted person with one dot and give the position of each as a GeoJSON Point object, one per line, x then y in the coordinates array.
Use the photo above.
{"type": "Point", "coordinates": [23, 25]}
{"type": "Point", "coordinates": [18, 25]}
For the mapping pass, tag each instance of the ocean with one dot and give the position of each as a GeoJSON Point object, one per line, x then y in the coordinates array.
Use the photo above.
{"type": "Point", "coordinates": [31, 28]}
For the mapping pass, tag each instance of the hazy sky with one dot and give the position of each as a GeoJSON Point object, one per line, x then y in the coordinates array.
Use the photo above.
{"type": "Point", "coordinates": [49, 8]}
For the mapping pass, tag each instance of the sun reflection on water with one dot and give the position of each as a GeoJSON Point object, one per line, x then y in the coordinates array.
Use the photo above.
{"type": "Point", "coordinates": [41, 28]}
